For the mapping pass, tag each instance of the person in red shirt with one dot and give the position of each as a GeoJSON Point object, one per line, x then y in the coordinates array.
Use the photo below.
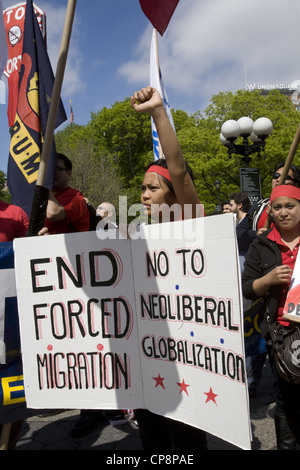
{"type": "Point", "coordinates": [67, 210]}
{"type": "Point", "coordinates": [260, 215]}
{"type": "Point", "coordinates": [268, 271]}
{"type": "Point", "coordinates": [13, 222]}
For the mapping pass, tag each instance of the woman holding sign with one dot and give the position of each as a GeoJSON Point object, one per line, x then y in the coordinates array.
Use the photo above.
{"type": "Point", "coordinates": [268, 272]}
{"type": "Point", "coordinates": [167, 182]}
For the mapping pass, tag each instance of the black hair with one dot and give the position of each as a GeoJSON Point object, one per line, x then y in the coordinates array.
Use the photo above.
{"type": "Point", "coordinates": [224, 203]}
{"type": "Point", "coordinates": [163, 163]}
{"type": "Point", "coordinates": [66, 160]}
{"type": "Point", "coordinates": [241, 198]}
{"type": "Point", "coordinates": [295, 170]}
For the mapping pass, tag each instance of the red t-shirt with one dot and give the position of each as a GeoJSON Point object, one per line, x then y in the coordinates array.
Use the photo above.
{"type": "Point", "coordinates": [13, 222]}
{"type": "Point", "coordinates": [289, 258]}
{"type": "Point", "coordinates": [77, 213]}
{"type": "Point", "coordinates": [262, 219]}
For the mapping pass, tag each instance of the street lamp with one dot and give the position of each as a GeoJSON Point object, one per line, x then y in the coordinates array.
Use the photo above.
{"type": "Point", "coordinates": [217, 184]}
{"type": "Point", "coordinates": [256, 132]}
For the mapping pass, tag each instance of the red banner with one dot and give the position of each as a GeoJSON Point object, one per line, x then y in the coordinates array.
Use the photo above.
{"type": "Point", "coordinates": [14, 17]}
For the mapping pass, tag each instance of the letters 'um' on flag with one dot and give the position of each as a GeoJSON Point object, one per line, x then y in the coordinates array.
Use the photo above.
{"type": "Point", "coordinates": [35, 91]}
{"type": "Point", "coordinates": [159, 12]}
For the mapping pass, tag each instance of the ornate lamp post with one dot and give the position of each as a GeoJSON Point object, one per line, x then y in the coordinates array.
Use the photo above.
{"type": "Point", "coordinates": [217, 185]}
{"type": "Point", "coordinates": [256, 132]}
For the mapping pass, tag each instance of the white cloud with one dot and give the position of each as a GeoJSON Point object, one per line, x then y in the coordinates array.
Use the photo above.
{"type": "Point", "coordinates": [208, 42]}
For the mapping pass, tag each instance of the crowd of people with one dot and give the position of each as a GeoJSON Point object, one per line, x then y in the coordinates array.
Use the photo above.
{"type": "Point", "coordinates": [268, 255]}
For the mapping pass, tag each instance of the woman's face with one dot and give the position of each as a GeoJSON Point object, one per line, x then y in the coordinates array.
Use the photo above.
{"type": "Point", "coordinates": [155, 192]}
{"type": "Point", "coordinates": [289, 180]}
{"type": "Point", "coordinates": [286, 213]}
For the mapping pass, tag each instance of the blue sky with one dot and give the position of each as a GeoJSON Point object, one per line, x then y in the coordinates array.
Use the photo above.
{"type": "Point", "coordinates": [210, 46]}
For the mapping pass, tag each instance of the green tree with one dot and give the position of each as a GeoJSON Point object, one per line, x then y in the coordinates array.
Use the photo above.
{"type": "Point", "coordinates": [125, 134]}
{"type": "Point", "coordinates": [116, 145]}
{"type": "Point", "coordinates": [208, 157]}
{"type": "Point", "coordinates": [4, 193]}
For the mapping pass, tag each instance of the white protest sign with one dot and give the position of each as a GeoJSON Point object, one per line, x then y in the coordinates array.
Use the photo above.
{"type": "Point", "coordinates": [78, 327]}
{"type": "Point", "coordinates": [291, 310]}
{"type": "Point", "coordinates": [154, 322]}
{"type": "Point", "coordinates": [191, 328]}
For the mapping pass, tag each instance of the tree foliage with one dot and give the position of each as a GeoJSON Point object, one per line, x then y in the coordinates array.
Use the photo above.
{"type": "Point", "coordinates": [4, 193]}
{"type": "Point", "coordinates": [111, 152]}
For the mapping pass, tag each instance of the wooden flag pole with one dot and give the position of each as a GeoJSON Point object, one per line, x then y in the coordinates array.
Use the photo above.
{"type": "Point", "coordinates": [56, 92]}
{"type": "Point", "coordinates": [288, 163]}
{"type": "Point", "coordinates": [5, 433]}
{"type": "Point", "coordinates": [290, 156]}
{"type": "Point", "coordinates": [41, 194]}
{"type": "Point", "coordinates": [158, 68]}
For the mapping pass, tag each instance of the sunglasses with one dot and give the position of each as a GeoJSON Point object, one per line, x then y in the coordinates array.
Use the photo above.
{"type": "Point", "coordinates": [277, 175]}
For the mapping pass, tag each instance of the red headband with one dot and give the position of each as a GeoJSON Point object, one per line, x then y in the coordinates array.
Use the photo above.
{"type": "Point", "coordinates": [160, 171]}
{"type": "Point", "coordinates": [285, 190]}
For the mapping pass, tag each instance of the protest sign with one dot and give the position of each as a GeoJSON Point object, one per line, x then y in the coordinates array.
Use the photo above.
{"type": "Point", "coordinates": [291, 310]}
{"type": "Point", "coordinates": [154, 322]}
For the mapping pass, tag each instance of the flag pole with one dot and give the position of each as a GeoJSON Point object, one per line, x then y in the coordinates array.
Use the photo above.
{"type": "Point", "coordinates": [158, 69]}
{"type": "Point", "coordinates": [290, 157]}
{"type": "Point", "coordinates": [288, 163]}
{"type": "Point", "coordinates": [56, 91]}
{"type": "Point", "coordinates": [4, 438]}
{"type": "Point", "coordinates": [41, 193]}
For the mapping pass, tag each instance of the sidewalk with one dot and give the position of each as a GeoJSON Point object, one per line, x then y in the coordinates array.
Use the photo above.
{"type": "Point", "coordinates": [53, 432]}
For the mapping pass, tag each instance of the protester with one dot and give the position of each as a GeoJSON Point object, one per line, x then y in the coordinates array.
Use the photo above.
{"type": "Point", "coordinates": [267, 273]}
{"type": "Point", "coordinates": [259, 212]}
{"type": "Point", "coordinates": [13, 224]}
{"type": "Point", "coordinates": [253, 224]}
{"type": "Point", "coordinates": [239, 205]}
{"type": "Point", "coordinates": [226, 208]}
{"type": "Point", "coordinates": [166, 182]}
{"type": "Point", "coordinates": [67, 210]}
{"type": "Point", "coordinates": [107, 213]}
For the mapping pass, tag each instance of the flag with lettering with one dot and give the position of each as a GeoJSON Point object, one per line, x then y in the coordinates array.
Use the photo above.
{"type": "Point", "coordinates": [11, 375]}
{"type": "Point", "coordinates": [159, 12]}
{"type": "Point", "coordinates": [12, 393]}
{"type": "Point", "coordinates": [35, 91]}
{"type": "Point", "coordinates": [156, 81]}
{"type": "Point", "coordinates": [3, 42]}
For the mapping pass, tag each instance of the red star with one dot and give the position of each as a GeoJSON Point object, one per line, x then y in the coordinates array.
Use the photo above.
{"type": "Point", "coordinates": [210, 396]}
{"type": "Point", "coordinates": [183, 387]}
{"type": "Point", "coordinates": [159, 381]}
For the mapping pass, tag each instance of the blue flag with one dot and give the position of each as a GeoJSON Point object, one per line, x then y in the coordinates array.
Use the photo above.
{"type": "Point", "coordinates": [156, 81]}
{"type": "Point", "coordinates": [35, 92]}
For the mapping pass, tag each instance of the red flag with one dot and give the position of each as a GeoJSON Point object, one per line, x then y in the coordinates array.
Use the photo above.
{"type": "Point", "coordinates": [159, 12]}
{"type": "Point", "coordinates": [14, 17]}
